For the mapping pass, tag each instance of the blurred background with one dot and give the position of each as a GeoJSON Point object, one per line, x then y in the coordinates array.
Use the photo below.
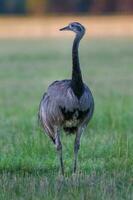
{"type": "Point", "coordinates": [105, 17]}
{"type": "Point", "coordinates": [70, 6]}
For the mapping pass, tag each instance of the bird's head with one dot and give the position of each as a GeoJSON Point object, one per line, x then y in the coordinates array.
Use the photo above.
{"type": "Point", "coordinates": [75, 27]}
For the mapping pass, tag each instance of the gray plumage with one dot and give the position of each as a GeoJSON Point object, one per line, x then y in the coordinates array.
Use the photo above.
{"type": "Point", "coordinates": [67, 104]}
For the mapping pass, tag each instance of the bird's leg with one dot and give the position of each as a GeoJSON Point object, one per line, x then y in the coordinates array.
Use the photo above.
{"type": "Point", "coordinates": [59, 150]}
{"type": "Point", "coordinates": [76, 148]}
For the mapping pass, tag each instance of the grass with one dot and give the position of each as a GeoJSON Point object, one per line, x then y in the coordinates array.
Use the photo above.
{"type": "Point", "coordinates": [28, 161]}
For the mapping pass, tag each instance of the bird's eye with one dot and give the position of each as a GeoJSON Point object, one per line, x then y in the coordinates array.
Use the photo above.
{"type": "Point", "coordinates": [72, 25]}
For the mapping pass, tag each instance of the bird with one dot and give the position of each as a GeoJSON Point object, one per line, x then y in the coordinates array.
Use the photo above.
{"type": "Point", "coordinates": [68, 104]}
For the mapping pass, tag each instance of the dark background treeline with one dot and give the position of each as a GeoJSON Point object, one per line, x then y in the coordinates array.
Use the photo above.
{"type": "Point", "coordinates": [70, 6]}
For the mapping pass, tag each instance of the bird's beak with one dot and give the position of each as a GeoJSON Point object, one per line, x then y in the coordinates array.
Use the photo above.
{"type": "Point", "coordinates": [66, 28]}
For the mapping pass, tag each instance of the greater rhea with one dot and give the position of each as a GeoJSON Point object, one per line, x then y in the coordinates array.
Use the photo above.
{"type": "Point", "coordinates": [67, 104]}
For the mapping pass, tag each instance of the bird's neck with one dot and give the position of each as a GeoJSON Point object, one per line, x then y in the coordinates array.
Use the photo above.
{"type": "Point", "coordinates": [76, 82]}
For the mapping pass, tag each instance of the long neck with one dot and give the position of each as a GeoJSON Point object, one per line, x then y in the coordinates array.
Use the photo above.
{"type": "Point", "coordinates": [76, 82]}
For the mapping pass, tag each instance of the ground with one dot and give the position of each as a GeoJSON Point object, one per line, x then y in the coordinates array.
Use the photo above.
{"type": "Point", "coordinates": [29, 167]}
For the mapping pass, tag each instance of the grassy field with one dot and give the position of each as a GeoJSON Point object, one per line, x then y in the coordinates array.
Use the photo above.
{"type": "Point", "coordinates": [28, 163]}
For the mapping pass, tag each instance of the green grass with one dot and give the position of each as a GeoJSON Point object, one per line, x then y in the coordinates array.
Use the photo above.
{"type": "Point", "coordinates": [29, 167]}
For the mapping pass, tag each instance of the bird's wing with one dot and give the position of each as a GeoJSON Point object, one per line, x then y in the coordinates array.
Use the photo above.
{"type": "Point", "coordinates": [45, 116]}
{"type": "Point", "coordinates": [39, 113]}
{"type": "Point", "coordinates": [87, 104]}
{"type": "Point", "coordinates": [62, 94]}
{"type": "Point", "coordinates": [50, 114]}
{"type": "Point", "coordinates": [86, 100]}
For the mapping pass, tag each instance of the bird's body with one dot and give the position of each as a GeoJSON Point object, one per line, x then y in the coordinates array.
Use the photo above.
{"type": "Point", "coordinates": [67, 104]}
{"type": "Point", "coordinates": [60, 107]}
